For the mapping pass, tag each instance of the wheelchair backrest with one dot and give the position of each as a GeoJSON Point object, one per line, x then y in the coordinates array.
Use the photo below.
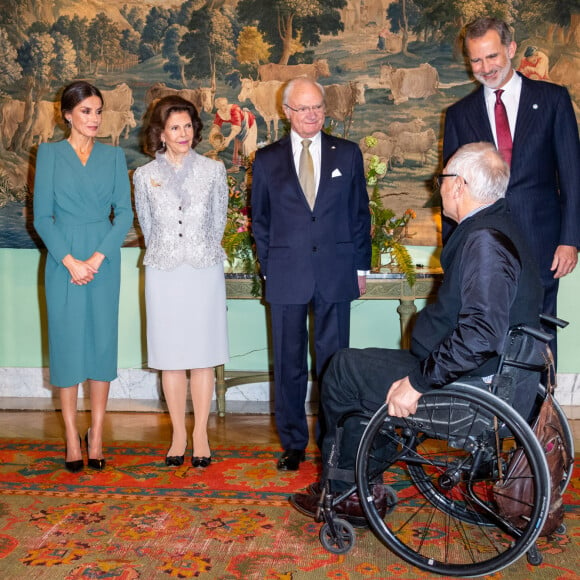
{"type": "Point", "coordinates": [527, 349]}
{"type": "Point", "coordinates": [526, 361]}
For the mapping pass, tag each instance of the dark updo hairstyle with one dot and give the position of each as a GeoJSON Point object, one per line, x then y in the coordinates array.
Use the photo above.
{"type": "Point", "coordinates": [74, 94]}
{"type": "Point", "coordinates": [162, 109]}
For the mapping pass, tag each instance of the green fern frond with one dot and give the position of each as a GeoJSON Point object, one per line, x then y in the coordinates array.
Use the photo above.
{"type": "Point", "coordinates": [404, 262]}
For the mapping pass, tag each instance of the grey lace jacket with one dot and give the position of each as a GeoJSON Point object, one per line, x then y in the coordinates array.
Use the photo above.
{"type": "Point", "coordinates": [182, 213]}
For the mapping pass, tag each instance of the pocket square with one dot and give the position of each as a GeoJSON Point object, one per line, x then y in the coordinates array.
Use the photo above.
{"type": "Point", "coordinates": [336, 173]}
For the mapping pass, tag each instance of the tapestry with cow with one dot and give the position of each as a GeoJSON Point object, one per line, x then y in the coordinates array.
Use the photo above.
{"type": "Point", "coordinates": [390, 68]}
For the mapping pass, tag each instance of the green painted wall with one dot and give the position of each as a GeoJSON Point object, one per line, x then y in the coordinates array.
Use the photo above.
{"type": "Point", "coordinates": [374, 322]}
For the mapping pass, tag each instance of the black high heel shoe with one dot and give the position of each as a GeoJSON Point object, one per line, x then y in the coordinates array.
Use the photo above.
{"type": "Point", "coordinates": [98, 464]}
{"type": "Point", "coordinates": [76, 465]}
{"type": "Point", "coordinates": [175, 460]}
{"type": "Point", "coordinates": [200, 461]}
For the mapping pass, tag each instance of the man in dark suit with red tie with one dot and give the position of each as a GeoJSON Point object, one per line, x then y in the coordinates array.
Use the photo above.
{"type": "Point", "coordinates": [538, 139]}
{"type": "Point", "coordinates": [311, 224]}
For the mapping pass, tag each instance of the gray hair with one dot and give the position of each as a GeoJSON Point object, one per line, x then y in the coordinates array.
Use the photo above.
{"type": "Point", "coordinates": [481, 26]}
{"type": "Point", "coordinates": [483, 169]}
{"type": "Point", "coordinates": [298, 80]}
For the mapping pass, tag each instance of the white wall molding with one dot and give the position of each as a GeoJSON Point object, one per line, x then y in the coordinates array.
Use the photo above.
{"type": "Point", "coordinates": [144, 385]}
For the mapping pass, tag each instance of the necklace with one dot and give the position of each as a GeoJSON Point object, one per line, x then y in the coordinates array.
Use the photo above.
{"type": "Point", "coordinates": [83, 155]}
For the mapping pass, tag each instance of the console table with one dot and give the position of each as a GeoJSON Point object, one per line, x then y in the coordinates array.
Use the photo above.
{"type": "Point", "coordinates": [383, 286]}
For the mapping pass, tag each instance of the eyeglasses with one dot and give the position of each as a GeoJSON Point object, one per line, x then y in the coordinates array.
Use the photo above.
{"type": "Point", "coordinates": [441, 176]}
{"type": "Point", "coordinates": [304, 110]}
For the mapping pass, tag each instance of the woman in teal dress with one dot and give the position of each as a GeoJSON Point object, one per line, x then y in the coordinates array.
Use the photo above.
{"type": "Point", "coordinates": [82, 212]}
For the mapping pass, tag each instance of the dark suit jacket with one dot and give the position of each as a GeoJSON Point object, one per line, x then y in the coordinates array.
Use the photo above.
{"type": "Point", "coordinates": [544, 189]}
{"type": "Point", "coordinates": [301, 249]}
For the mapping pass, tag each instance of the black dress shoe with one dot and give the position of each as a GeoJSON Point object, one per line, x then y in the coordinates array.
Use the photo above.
{"type": "Point", "coordinates": [98, 464]}
{"type": "Point", "coordinates": [174, 460]}
{"type": "Point", "coordinates": [290, 460]}
{"type": "Point", "coordinates": [349, 509]}
{"type": "Point", "coordinates": [200, 461]}
{"type": "Point", "coordinates": [315, 488]}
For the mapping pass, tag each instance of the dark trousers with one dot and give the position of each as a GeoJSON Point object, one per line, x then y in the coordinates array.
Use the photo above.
{"type": "Point", "coordinates": [290, 341]}
{"type": "Point", "coordinates": [550, 307]}
{"type": "Point", "coordinates": [357, 380]}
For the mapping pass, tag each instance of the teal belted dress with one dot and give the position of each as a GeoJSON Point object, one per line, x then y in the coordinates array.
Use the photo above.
{"type": "Point", "coordinates": [78, 210]}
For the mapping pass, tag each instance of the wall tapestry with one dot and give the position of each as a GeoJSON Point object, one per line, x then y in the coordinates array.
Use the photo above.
{"type": "Point", "coordinates": [390, 69]}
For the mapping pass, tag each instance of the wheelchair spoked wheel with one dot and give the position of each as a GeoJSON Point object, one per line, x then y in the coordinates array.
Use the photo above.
{"type": "Point", "coordinates": [451, 453]}
{"type": "Point", "coordinates": [338, 536]}
{"type": "Point", "coordinates": [425, 481]}
{"type": "Point", "coordinates": [426, 478]}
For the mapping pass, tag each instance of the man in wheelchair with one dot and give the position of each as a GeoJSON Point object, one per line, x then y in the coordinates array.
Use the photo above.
{"type": "Point", "coordinates": [490, 283]}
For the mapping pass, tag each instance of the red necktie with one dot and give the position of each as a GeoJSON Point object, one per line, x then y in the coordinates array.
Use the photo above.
{"type": "Point", "coordinates": [502, 128]}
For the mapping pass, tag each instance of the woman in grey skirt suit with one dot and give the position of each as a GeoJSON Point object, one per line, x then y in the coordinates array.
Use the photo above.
{"type": "Point", "coordinates": [181, 199]}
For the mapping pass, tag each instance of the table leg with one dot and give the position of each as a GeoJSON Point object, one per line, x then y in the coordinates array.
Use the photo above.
{"type": "Point", "coordinates": [220, 390]}
{"type": "Point", "coordinates": [406, 310]}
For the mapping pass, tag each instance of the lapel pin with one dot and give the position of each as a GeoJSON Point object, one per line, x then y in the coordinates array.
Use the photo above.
{"type": "Point", "coordinates": [534, 106]}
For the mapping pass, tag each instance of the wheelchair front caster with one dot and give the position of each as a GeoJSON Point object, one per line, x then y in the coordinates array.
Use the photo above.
{"type": "Point", "coordinates": [337, 537]}
{"type": "Point", "coordinates": [534, 556]}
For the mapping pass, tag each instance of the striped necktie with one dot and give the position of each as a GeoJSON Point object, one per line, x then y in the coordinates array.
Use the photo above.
{"type": "Point", "coordinates": [502, 128]}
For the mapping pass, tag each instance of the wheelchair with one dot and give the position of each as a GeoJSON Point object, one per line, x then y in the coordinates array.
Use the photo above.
{"type": "Point", "coordinates": [440, 468]}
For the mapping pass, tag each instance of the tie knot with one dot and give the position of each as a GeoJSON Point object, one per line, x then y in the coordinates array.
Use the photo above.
{"type": "Point", "coordinates": [306, 143]}
{"type": "Point", "coordinates": [498, 95]}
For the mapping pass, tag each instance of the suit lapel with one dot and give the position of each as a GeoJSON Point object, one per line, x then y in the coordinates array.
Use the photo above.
{"type": "Point", "coordinates": [477, 117]}
{"type": "Point", "coordinates": [292, 174]}
{"type": "Point", "coordinates": [527, 110]}
{"type": "Point", "coordinates": [327, 163]}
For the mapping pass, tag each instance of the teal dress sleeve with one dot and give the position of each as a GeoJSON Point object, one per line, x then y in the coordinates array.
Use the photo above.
{"type": "Point", "coordinates": [121, 204]}
{"type": "Point", "coordinates": [43, 204]}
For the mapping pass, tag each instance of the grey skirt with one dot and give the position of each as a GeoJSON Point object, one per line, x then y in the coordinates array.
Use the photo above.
{"type": "Point", "coordinates": [186, 317]}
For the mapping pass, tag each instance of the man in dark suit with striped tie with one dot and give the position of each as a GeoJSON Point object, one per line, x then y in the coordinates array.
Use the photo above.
{"type": "Point", "coordinates": [311, 223]}
{"type": "Point", "coordinates": [538, 139]}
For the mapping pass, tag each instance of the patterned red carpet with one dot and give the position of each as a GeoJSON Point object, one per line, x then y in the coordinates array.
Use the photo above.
{"type": "Point", "coordinates": [139, 519]}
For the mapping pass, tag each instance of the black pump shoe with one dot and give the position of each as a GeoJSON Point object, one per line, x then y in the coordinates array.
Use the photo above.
{"type": "Point", "coordinates": [174, 460]}
{"type": "Point", "coordinates": [200, 461]}
{"type": "Point", "coordinates": [76, 465]}
{"type": "Point", "coordinates": [98, 464]}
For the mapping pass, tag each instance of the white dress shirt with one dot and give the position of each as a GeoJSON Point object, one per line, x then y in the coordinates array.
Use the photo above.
{"type": "Point", "coordinates": [511, 100]}
{"type": "Point", "coordinates": [315, 152]}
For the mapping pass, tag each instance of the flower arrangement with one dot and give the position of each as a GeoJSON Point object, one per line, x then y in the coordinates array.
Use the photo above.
{"type": "Point", "coordinates": [237, 239]}
{"type": "Point", "coordinates": [387, 230]}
